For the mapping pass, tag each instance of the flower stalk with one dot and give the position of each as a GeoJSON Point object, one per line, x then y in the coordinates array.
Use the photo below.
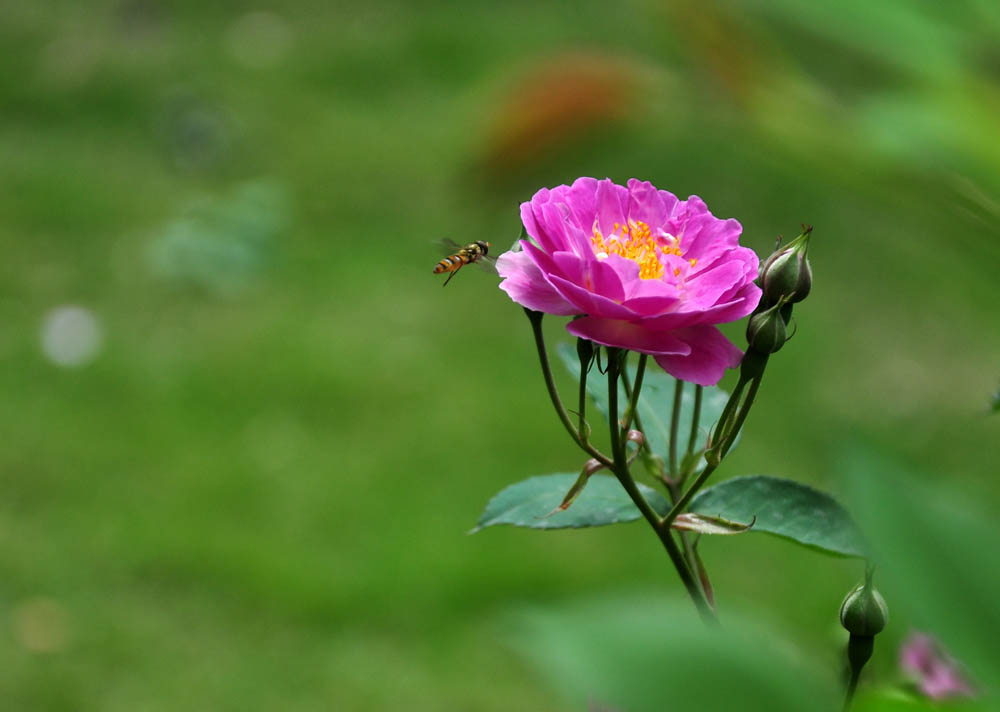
{"type": "Point", "coordinates": [620, 469]}
{"type": "Point", "coordinates": [535, 317]}
{"type": "Point", "coordinates": [675, 421]}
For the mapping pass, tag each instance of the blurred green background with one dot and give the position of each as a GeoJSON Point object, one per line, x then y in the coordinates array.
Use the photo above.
{"type": "Point", "coordinates": [244, 430]}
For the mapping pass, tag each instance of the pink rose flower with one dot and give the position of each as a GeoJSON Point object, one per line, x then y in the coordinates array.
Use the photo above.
{"type": "Point", "coordinates": [647, 271]}
{"type": "Point", "coordinates": [935, 673]}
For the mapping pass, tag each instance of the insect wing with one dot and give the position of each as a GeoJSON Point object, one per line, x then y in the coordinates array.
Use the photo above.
{"type": "Point", "coordinates": [448, 247]}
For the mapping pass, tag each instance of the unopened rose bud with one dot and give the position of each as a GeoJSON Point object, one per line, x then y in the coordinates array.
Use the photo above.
{"type": "Point", "coordinates": [863, 611]}
{"type": "Point", "coordinates": [864, 614]}
{"type": "Point", "coordinates": [786, 273]}
{"type": "Point", "coordinates": [766, 332]}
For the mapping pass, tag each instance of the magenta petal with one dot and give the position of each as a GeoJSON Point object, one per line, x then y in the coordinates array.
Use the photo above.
{"type": "Point", "coordinates": [553, 215]}
{"type": "Point", "coordinates": [528, 220]}
{"type": "Point", "coordinates": [526, 285]}
{"type": "Point", "coordinates": [626, 335]}
{"type": "Point", "coordinates": [711, 354]}
{"type": "Point", "coordinates": [670, 202]}
{"type": "Point", "coordinates": [653, 304]}
{"type": "Point", "coordinates": [711, 285]}
{"type": "Point", "coordinates": [647, 287]}
{"type": "Point", "coordinates": [570, 265]}
{"type": "Point", "coordinates": [672, 317]}
{"type": "Point", "coordinates": [709, 236]}
{"type": "Point", "coordinates": [604, 280]}
{"type": "Point", "coordinates": [581, 198]}
{"type": "Point", "coordinates": [645, 203]}
{"type": "Point", "coordinates": [612, 202]}
{"type": "Point", "coordinates": [589, 302]}
{"type": "Point", "coordinates": [738, 306]}
{"type": "Point", "coordinates": [627, 271]}
{"type": "Point", "coordinates": [541, 258]}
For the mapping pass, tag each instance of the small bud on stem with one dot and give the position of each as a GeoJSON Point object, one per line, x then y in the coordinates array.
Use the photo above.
{"type": "Point", "coordinates": [864, 615]}
{"type": "Point", "coordinates": [786, 273]}
{"type": "Point", "coordinates": [766, 332]}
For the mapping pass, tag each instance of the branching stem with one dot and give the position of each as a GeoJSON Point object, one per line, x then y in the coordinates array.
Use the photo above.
{"type": "Point", "coordinates": [620, 468]}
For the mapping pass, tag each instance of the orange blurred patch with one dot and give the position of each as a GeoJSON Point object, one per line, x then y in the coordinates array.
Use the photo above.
{"type": "Point", "coordinates": [554, 103]}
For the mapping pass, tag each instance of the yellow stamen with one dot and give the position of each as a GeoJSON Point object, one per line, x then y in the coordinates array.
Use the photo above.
{"type": "Point", "coordinates": [635, 242]}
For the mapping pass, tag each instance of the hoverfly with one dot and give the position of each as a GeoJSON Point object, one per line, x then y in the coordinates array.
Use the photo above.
{"type": "Point", "coordinates": [461, 256]}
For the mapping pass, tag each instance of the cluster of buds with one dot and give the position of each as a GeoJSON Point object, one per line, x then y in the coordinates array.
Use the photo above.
{"type": "Point", "coordinates": [785, 278]}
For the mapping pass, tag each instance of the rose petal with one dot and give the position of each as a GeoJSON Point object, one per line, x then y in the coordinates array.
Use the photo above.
{"type": "Point", "coordinates": [612, 202]}
{"type": "Point", "coordinates": [626, 335]}
{"type": "Point", "coordinates": [712, 284]}
{"type": "Point", "coordinates": [711, 354]}
{"type": "Point", "coordinates": [589, 302]}
{"type": "Point", "coordinates": [581, 199]}
{"type": "Point", "coordinates": [526, 285]}
{"type": "Point", "coordinates": [645, 203]}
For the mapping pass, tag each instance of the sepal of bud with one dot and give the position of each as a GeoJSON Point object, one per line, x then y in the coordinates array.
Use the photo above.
{"type": "Point", "coordinates": [585, 351]}
{"type": "Point", "coordinates": [864, 612]}
{"type": "Point", "coordinates": [787, 273]}
{"type": "Point", "coordinates": [589, 468]}
{"type": "Point", "coordinates": [766, 332]}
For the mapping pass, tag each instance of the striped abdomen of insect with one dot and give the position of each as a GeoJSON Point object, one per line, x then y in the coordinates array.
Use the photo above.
{"type": "Point", "coordinates": [470, 253]}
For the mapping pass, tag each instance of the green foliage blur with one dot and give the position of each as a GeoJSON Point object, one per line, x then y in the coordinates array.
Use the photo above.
{"type": "Point", "coordinates": [244, 429]}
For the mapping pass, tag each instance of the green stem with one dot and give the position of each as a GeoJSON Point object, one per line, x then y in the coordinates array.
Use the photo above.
{"type": "Point", "coordinates": [744, 410]}
{"type": "Point", "coordinates": [727, 436]}
{"type": "Point", "coordinates": [536, 326]}
{"type": "Point", "coordinates": [852, 685]}
{"type": "Point", "coordinates": [682, 503]}
{"type": "Point", "coordinates": [675, 417]}
{"type": "Point", "coordinates": [652, 462]}
{"type": "Point", "coordinates": [725, 419]}
{"type": "Point", "coordinates": [695, 419]}
{"type": "Point", "coordinates": [584, 428]}
{"type": "Point", "coordinates": [620, 468]}
{"type": "Point", "coordinates": [633, 394]}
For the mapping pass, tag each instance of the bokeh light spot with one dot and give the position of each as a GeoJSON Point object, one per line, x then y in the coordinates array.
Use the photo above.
{"type": "Point", "coordinates": [41, 625]}
{"type": "Point", "coordinates": [71, 336]}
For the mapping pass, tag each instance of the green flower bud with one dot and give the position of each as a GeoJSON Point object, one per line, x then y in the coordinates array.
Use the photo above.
{"type": "Point", "coordinates": [863, 612]}
{"type": "Point", "coordinates": [766, 331]}
{"type": "Point", "coordinates": [787, 273]}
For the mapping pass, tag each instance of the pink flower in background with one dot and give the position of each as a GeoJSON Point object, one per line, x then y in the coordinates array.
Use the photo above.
{"type": "Point", "coordinates": [935, 673]}
{"type": "Point", "coordinates": [647, 271]}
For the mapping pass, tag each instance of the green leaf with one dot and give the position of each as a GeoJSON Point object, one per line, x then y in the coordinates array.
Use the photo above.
{"type": "Point", "coordinates": [656, 404]}
{"type": "Point", "coordinates": [532, 503]}
{"type": "Point", "coordinates": [785, 508]}
{"type": "Point", "coordinates": [701, 524]}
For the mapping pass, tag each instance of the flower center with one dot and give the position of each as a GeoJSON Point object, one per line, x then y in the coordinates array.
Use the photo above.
{"type": "Point", "coordinates": [636, 242]}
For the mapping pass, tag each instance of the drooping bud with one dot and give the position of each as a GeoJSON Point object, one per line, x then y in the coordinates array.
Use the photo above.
{"type": "Point", "coordinates": [864, 614]}
{"type": "Point", "coordinates": [863, 611]}
{"type": "Point", "coordinates": [766, 332]}
{"type": "Point", "coordinates": [786, 273]}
